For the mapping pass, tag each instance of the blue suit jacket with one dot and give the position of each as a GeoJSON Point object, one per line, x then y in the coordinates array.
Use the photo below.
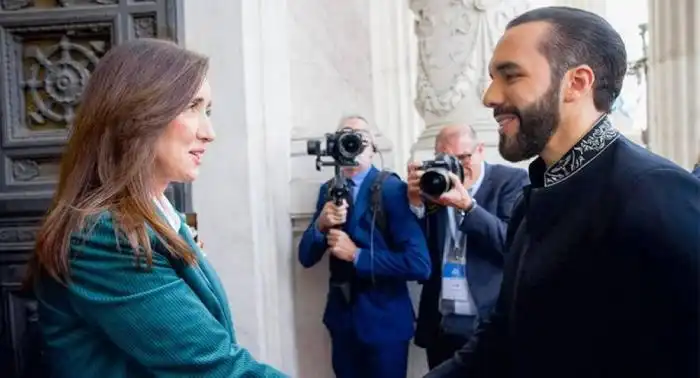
{"type": "Point", "coordinates": [381, 309]}
{"type": "Point", "coordinates": [485, 228]}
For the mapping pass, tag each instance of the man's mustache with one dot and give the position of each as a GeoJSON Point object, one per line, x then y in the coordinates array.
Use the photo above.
{"type": "Point", "coordinates": [506, 110]}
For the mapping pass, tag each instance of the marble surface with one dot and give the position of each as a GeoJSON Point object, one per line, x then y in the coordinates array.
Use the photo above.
{"type": "Point", "coordinates": [330, 63]}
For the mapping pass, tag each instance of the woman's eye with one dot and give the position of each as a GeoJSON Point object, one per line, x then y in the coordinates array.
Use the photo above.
{"type": "Point", "coordinates": [208, 112]}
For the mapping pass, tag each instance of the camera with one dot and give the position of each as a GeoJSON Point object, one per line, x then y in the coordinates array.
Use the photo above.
{"type": "Point", "coordinates": [436, 180]}
{"type": "Point", "coordinates": [343, 147]}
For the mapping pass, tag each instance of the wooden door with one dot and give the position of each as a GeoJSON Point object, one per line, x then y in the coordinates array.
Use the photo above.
{"type": "Point", "coordinates": [47, 50]}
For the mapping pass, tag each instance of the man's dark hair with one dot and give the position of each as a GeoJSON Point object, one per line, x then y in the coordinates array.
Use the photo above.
{"type": "Point", "coordinates": [581, 37]}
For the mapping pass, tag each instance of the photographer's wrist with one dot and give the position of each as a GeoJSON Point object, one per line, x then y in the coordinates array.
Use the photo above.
{"type": "Point", "coordinates": [466, 204]}
{"type": "Point", "coordinates": [320, 227]}
{"type": "Point", "coordinates": [415, 202]}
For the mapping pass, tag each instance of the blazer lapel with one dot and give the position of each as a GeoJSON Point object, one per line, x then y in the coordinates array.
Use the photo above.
{"type": "Point", "coordinates": [362, 203]}
{"type": "Point", "coordinates": [441, 232]}
{"type": "Point", "coordinates": [485, 187]}
{"type": "Point", "coordinates": [204, 282]}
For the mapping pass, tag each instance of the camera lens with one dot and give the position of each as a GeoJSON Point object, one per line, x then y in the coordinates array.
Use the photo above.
{"type": "Point", "coordinates": [434, 182]}
{"type": "Point", "coordinates": [313, 147]}
{"type": "Point", "coordinates": [350, 145]}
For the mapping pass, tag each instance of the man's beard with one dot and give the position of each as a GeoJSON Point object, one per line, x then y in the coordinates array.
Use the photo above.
{"type": "Point", "coordinates": [537, 123]}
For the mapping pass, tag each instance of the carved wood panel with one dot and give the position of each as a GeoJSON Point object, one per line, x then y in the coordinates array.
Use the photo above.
{"type": "Point", "coordinates": [48, 48]}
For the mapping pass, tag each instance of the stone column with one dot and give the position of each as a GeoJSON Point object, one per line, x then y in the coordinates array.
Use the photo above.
{"type": "Point", "coordinates": [674, 80]}
{"type": "Point", "coordinates": [393, 55]}
{"type": "Point", "coordinates": [455, 42]}
{"type": "Point", "coordinates": [242, 194]}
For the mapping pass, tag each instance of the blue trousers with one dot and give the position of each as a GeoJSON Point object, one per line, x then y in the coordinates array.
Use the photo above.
{"type": "Point", "coordinates": [353, 358]}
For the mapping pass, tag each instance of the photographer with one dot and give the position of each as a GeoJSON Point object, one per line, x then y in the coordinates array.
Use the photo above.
{"type": "Point", "coordinates": [465, 228]}
{"type": "Point", "coordinates": [376, 246]}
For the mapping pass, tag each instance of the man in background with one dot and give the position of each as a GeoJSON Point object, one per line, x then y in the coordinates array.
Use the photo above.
{"type": "Point", "coordinates": [472, 217]}
{"type": "Point", "coordinates": [375, 245]}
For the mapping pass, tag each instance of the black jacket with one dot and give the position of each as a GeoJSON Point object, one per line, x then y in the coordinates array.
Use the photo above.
{"type": "Point", "coordinates": [602, 280]}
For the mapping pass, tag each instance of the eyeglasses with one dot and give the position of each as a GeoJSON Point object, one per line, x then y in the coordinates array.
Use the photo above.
{"type": "Point", "coordinates": [464, 156]}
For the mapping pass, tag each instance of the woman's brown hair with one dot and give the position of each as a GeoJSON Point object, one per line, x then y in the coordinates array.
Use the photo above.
{"type": "Point", "coordinates": [134, 93]}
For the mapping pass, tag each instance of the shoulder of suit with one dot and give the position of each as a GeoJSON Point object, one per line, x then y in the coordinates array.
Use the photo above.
{"type": "Point", "coordinates": [102, 226]}
{"type": "Point", "coordinates": [392, 182]}
{"type": "Point", "coordinates": [632, 162]}
{"type": "Point", "coordinates": [696, 172]}
{"type": "Point", "coordinates": [507, 173]}
{"type": "Point", "coordinates": [502, 168]}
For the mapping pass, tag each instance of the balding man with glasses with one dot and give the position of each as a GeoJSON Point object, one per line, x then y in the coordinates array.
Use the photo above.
{"type": "Point", "coordinates": [465, 229]}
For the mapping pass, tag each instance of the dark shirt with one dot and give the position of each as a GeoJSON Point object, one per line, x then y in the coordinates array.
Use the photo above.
{"type": "Point", "coordinates": [602, 280]}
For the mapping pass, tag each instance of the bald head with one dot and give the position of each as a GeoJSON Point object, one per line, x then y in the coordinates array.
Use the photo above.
{"type": "Point", "coordinates": [359, 123]}
{"type": "Point", "coordinates": [452, 133]}
{"type": "Point", "coordinates": [361, 126]}
{"type": "Point", "coordinates": [461, 141]}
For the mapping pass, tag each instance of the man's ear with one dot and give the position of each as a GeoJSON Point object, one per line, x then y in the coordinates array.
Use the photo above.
{"type": "Point", "coordinates": [578, 83]}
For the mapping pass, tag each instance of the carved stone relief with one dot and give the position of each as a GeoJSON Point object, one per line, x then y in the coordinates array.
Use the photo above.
{"type": "Point", "coordinates": [57, 75]}
{"type": "Point", "coordinates": [455, 42]}
{"type": "Point", "coordinates": [34, 170]}
{"type": "Point", "coordinates": [145, 27]}
{"type": "Point", "coordinates": [24, 170]}
{"type": "Point", "coordinates": [14, 5]}
{"type": "Point", "coordinates": [45, 70]}
{"type": "Point", "coordinates": [20, 234]}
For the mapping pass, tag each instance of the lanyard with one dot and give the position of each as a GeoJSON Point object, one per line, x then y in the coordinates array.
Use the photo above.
{"type": "Point", "coordinates": [455, 232]}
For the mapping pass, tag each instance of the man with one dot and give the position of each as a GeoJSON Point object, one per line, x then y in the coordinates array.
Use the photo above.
{"type": "Point", "coordinates": [483, 202]}
{"type": "Point", "coordinates": [369, 313]}
{"type": "Point", "coordinates": [602, 277]}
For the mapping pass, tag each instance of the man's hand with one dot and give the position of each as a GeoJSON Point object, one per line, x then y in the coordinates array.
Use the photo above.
{"type": "Point", "coordinates": [341, 246]}
{"type": "Point", "coordinates": [457, 197]}
{"type": "Point", "coordinates": [414, 174]}
{"type": "Point", "coordinates": [332, 215]}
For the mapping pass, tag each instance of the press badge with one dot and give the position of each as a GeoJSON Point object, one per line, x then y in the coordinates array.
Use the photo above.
{"type": "Point", "coordinates": [455, 288]}
{"type": "Point", "coordinates": [454, 282]}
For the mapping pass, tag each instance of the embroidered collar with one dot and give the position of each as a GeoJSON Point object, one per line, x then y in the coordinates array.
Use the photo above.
{"type": "Point", "coordinates": [584, 151]}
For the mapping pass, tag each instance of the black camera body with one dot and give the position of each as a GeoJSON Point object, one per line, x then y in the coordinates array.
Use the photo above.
{"type": "Point", "coordinates": [343, 147]}
{"type": "Point", "coordinates": [436, 180]}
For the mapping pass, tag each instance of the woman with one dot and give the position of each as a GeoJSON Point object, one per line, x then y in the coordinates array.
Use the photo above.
{"type": "Point", "coordinates": [123, 289]}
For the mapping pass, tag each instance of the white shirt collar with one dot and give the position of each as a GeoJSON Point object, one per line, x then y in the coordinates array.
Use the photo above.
{"type": "Point", "coordinates": [169, 211]}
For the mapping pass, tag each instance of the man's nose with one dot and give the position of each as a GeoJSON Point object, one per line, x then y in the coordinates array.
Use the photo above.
{"type": "Point", "coordinates": [493, 96]}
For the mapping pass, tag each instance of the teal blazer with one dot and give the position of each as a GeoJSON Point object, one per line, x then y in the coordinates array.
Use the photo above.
{"type": "Point", "coordinates": [116, 320]}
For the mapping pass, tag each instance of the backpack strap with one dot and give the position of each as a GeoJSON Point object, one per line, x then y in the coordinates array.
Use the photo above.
{"type": "Point", "coordinates": [377, 203]}
{"type": "Point", "coordinates": [376, 199]}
